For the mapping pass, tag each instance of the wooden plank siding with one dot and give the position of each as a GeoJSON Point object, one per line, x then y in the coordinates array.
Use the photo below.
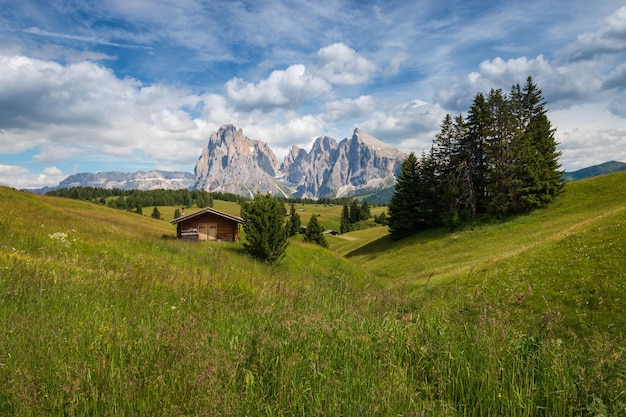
{"type": "Point", "coordinates": [208, 225]}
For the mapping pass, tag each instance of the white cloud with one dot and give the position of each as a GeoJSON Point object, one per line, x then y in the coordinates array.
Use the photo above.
{"type": "Point", "coordinates": [410, 126]}
{"type": "Point", "coordinates": [340, 64]}
{"type": "Point", "coordinates": [19, 177]}
{"type": "Point", "coordinates": [609, 39]}
{"type": "Point", "coordinates": [562, 85]}
{"type": "Point", "coordinates": [288, 89]}
{"type": "Point", "coordinates": [588, 135]}
{"type": "Point", "coordinates": [77, 110]}
{"type": "Point", "coordinates": [349, 109]}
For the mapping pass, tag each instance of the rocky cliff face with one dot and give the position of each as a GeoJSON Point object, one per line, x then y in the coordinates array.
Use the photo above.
{"type": "Point", "coordinates": [234, 163]}
{"type": "Point", "coordinates": [334, 169]}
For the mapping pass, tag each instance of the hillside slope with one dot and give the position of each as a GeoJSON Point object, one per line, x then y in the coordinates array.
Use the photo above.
{"type": "Point", "coordinates": [566, 260]}
{"type": "Point", "coordinates": [104, 313]}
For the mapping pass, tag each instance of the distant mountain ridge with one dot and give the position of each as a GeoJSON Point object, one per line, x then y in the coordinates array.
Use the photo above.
{"type": "Point", "coordinates": [595, 170]}
{"type": "Point", "coordinates": [140, 180]}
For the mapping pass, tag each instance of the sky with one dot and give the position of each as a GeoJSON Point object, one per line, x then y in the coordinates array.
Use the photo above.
{"type": "Point", "coordinates": [136, 85]}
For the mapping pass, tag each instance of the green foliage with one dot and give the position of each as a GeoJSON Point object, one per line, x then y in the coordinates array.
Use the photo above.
{"type": "Point", "coordinates": [353, 215]}
{"type": "Point", "coordinates": [499, 161]}
{"type": "Point", "coordinates": [314, 232]}
{"type": "Point", "coordinates": [295, 223]}
{"type": "Point", "coordinates": [156, 214]}
{"type": "Point", "coordinates": [412, 206]}
{"type": "Point", "coordinates": [265, 231]}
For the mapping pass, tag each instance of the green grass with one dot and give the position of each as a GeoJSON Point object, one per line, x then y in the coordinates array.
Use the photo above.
{"type": "Point", "coordinates": [102, 313]}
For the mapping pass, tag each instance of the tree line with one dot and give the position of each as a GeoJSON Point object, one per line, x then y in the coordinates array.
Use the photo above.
{"type": "Point", "coordinates": [134, 199]}
{"type": "Point", "coordinates": [499, 160]}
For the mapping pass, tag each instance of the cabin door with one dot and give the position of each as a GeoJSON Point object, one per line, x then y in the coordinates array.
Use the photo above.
{"type": "Point", "coordinates": [212, 231]}
{"type": "Point", "coordinates": [202, 232]}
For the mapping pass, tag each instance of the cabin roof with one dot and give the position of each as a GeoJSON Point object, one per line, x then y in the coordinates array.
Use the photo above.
{"type": "Point", "coordinates": [210, 211]}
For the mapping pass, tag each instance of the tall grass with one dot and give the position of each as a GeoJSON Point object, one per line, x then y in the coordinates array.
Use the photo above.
{"type": "Point", "coordinates": [101, 313]}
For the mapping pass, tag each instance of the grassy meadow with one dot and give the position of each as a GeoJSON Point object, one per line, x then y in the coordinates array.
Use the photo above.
{"type": "Point", "coordinates": [103, 312]}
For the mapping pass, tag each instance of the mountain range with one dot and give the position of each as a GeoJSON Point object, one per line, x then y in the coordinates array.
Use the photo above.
{"type": "Point", "coordinates": [231, 162]}
{"type": "Point", "coordinates": [234, 163]}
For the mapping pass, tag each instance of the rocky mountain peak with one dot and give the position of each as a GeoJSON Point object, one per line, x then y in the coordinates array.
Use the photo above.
{"type": "Point", "coordinates": [232, 162]}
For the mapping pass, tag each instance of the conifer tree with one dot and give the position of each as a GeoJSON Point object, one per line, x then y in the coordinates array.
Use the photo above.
{"type": "Point", "coordinates": [355, 212]}
{"type": "Point", "coordinates": [295, 223]}
{"type": "Point", "coordinates": [264, 226]}
{"type": "Point", "coordinates": [405, 201]}
{"type": "Point", "coordinates": [472, 154]}
{"type": "Point", "coordinates": [156, 214]}
{"type": "Point", "coordinates": [314, 232]}
{"type": "Point", "coordinates": [345, 225]}
{"type": "Point", "coordinates": [365, 212]}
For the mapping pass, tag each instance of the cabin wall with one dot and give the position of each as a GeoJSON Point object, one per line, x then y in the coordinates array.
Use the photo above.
{"type": "Point", "coordinates": [211, 227]}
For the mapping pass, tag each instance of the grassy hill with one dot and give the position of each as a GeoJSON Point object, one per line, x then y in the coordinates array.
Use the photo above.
{"type": "Point", "coordinates": [103, 313]}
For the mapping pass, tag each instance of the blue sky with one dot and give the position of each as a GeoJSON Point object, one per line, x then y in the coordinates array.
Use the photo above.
{"type": "Point", "coordinates": [134, 85]}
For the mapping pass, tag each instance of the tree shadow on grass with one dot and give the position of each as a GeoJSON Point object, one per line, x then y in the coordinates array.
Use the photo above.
{"type": "Point", "coordinates": [387, 244]}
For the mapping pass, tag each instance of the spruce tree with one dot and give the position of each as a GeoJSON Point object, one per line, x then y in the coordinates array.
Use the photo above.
{"type": "Point", "coordinates": [355, 212]}
{"type": "Point", "coordinates": [314, 232]}
{"type": "Point", "coordinates": [473, 160]}
{"type": "Point", "coordinates": [264, 226]}
{"type": "Point", "coordinates": [295, 223]}
{"type": "Point", "coordinates": [156, 214]}
{"type": "Point", "coordinates": [345, 225]}
{"type": "Point", "coordinates": [501, 185]}
{"type": "Point", "coordinates": [536, 166]}
{"type": "Point", "coordinates": [366, 213]}
{"type": "Point", "coordinates": [404, 201]}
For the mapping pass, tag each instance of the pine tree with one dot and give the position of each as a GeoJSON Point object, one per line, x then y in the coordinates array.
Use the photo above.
{"type": "Point", "coordinates": [537, 170]}
{"type": "Point", "coordinates": [345, 225]}
{"type": "Point", "coordinates": [295, 223]}
{"type": "Point", "coordinates": [472, 156]}
{"type": "Point", "coordinates": [156, 214]}
{"type": "Point", "coordinates": [405, 201]}
{"type": "Point", "coordinates": [264, 227]}
{"type": "Point", "coordinates": [314, 232]}
{"type": "Point", "coordinates": [500, 188]}
{"type": "Point", "coordinates": [355, 212]}
{"type": "Point", "coordinates": [366, 213]}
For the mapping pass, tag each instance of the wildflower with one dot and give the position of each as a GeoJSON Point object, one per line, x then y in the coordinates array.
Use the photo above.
{"type": "Point", "coordinates": [60, 237]}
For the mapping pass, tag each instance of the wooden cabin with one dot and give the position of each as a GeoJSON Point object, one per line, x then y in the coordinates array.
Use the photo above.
{"type": "Point", "coordinates": [208, 224]}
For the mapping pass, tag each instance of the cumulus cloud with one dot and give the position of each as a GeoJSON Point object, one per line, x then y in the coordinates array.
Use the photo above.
{"type": "Point", "coordinates": [19, 177]}
{"type": "Point", "coordinates": [66, 111]}
{"type": "Point", "coordinates": [410, 126]}
{"type": "Point", "coordinates": [349, 109]}
{"type": "Point", "coordinates": [609, 39]}
{"type": "Point", "coordinates": [340, 64]}
{"type": "Point", "coordinates": [288, 88]}
{"type": "Point", "coordinates": [562, 85]}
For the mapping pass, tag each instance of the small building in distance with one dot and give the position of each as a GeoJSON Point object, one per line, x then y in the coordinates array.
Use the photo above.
{"type": "Point", "coordinates": [208, 224]}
